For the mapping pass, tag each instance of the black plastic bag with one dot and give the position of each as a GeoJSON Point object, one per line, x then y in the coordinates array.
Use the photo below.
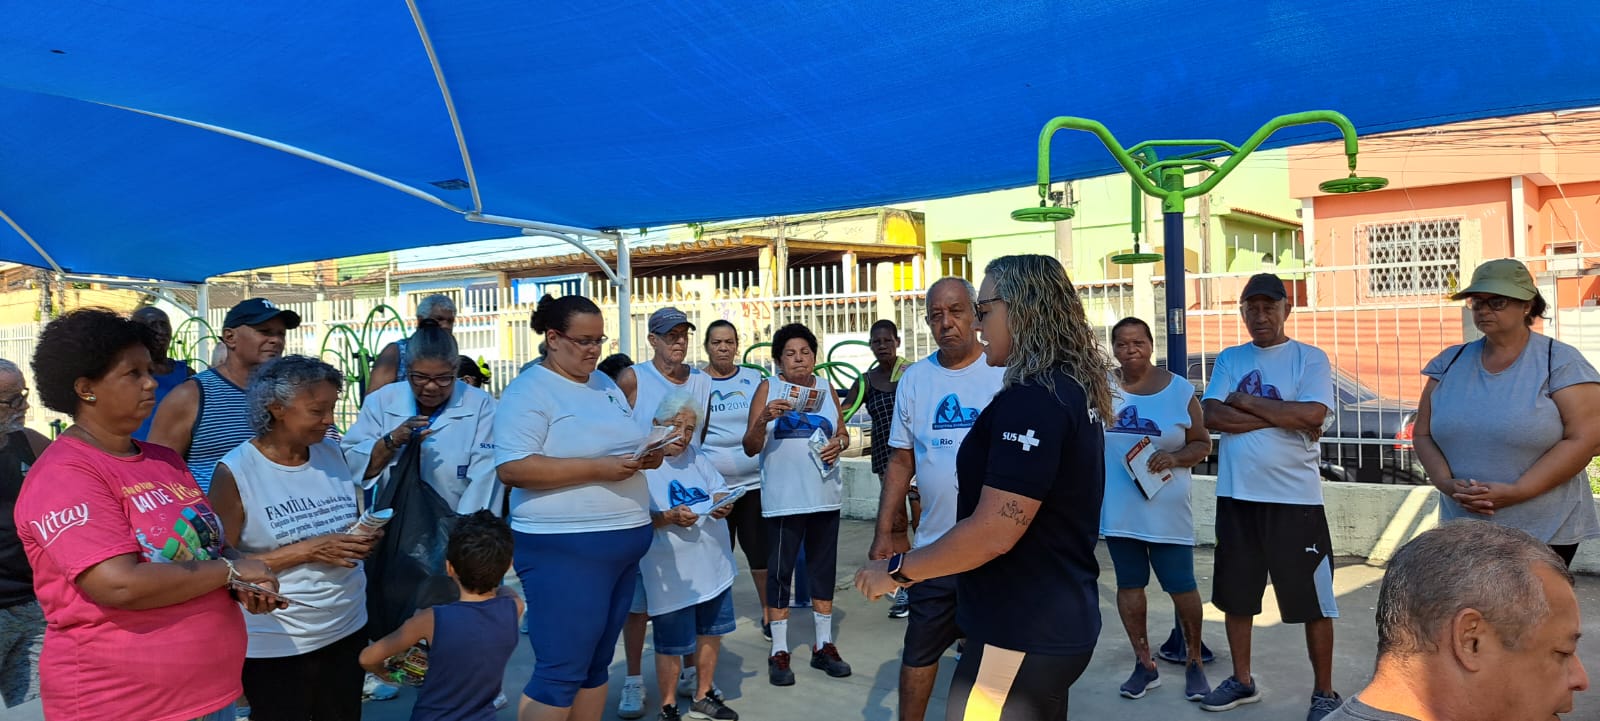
{"type": "Point", "coordinates": [406, 569]}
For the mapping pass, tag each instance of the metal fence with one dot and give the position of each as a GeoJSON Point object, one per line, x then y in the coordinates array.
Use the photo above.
{"type": "Point", "coordinates": [1377, 336]}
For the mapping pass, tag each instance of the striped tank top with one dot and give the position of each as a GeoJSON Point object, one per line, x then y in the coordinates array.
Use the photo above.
{"type": "Point", "coordinates": [220, 425]}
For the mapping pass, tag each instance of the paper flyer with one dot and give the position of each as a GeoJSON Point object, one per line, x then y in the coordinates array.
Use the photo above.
{"type": "Point", "coordinates": [1138, 460]}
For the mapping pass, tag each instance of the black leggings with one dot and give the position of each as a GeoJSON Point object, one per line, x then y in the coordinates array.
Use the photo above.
{"type": "Point", "coordinates": [320, 685]}
{"type": "Point", "coordinates": [997, 684]}
{"type": "Point", "coordinates": [819, 532]}
{"type": "Point", "coordinates": [747, 528]}
{"type": "Point", "coordinates": [1566, 551]}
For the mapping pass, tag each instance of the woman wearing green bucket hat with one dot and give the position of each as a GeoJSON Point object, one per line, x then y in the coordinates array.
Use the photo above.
{"type": "Point", "coordinates": [1507, 424]}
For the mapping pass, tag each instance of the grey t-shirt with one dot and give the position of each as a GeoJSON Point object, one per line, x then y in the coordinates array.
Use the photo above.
{"type": "Point", "coordinates": [1353, 710]}
{"type": "Point", "coordinates": [1492, 427]}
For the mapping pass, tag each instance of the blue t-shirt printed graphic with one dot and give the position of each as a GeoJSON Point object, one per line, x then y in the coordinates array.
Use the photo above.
{"type": "Point", "coordinates": [1253, 384]}
{"type": "Point", "coordinates": [1128, 421]}
{"type": "Point", "coordinates": [678, 495]}
{"type": "Point", "coordinates": [800, 425]}
{"type": "Point", "coordinates": [951, 415]}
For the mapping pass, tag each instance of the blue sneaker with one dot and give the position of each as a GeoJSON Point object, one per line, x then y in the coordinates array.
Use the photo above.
{"type": "Point", "coordinates": [1229, 695]}
{"type": "Point", "coordinates": [1195, 684]}
{"type": "Point", "coordinates": [1322, 705]}
{"type": "Point", "coordinates": [1142, 680]}
{"type": "Point", "coordinates": [1174, 650]}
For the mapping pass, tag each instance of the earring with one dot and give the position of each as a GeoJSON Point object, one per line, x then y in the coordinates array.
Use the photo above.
{"type": "Point", "coordinates": [90, 398]}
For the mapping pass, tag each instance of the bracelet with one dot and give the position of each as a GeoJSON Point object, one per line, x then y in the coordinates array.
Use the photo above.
{"type": "Point", "coordinates": [388, 442]}
{"type": "Point", "coordinates": [233, 573]}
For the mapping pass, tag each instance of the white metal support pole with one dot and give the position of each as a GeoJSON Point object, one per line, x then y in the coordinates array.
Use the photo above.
{"type": "Point", "coordinates": [624, 284]}
{"type": "Point", "coordinates": [202, 308]}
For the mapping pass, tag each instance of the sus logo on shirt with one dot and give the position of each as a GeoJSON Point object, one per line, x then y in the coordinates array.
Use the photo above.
{"type": "Point", "coordinates": [52, 524]}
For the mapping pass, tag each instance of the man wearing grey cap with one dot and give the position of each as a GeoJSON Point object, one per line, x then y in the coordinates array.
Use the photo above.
{"type": "Point", "coordinates": [206, 417]}
{"type": "Point", "coordinates": [1271, 399]}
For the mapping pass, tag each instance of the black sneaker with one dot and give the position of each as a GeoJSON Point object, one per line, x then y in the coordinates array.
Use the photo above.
{"type": "Point", "coordinates": [711, 708]}
{"type": "Point", "coordinates": [669, 713]}
{"type": "Point", "coordinates": [778, 669]}
{"type": "Point", "coordinates": [902, 605]}
{"type": "Point", "coordinates": [827, 659]}
{"type": "Point", "coordinates": [766, 630]}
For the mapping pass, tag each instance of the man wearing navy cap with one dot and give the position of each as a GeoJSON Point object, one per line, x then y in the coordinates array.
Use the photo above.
{"type": "Point", "coordinates": [205, 417]}
{"type": "Point", "coordinates": [1271, 399]}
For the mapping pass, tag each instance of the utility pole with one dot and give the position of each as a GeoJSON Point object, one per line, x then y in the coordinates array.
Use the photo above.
{"type": "Point", "coordinates": [780, 260]}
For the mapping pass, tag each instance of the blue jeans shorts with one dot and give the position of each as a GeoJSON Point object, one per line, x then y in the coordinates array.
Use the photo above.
{"type": "Point", "coordinates": [1133, 559]}
{"type": "Point", "coordinates": [677, 631]}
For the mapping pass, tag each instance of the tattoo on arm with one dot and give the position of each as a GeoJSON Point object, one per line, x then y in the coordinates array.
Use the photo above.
{"type": "Point", "coordinates": [1014, 512]}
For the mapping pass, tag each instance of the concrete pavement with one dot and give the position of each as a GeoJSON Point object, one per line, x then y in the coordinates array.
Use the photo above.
{"type": "Point", "coordinates": [871, 643]}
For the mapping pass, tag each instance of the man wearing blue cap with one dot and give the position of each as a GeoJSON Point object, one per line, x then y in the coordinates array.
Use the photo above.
{"type": "Point", "coordinates": [206, 417]}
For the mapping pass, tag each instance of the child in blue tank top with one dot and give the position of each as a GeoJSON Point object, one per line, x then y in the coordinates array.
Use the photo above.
{"type": "Point", "coordinates": [469, 641]}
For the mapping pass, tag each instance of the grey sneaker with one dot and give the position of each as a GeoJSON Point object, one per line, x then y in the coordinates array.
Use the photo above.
{"type": "Point", "coordinates": [1142, 680]}
{"type": "Point", "coordinates": [1195, 684]}
{"type": "Point", "coordinates": [1230, 695]}
{"type": "Point", "coordinates": [711, 708]}
{"type": "Point", "coordinates": [1322, 705]}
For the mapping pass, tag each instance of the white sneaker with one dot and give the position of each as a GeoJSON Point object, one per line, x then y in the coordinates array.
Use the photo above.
{"type": "Point", "coordinates": [374, 689]}
{"type": "Point", "coordinates": [632, 704]}
{"type": "Point", "coordinates": [689, 682]}
{"type": "Point", "coordinates": [501, 701]}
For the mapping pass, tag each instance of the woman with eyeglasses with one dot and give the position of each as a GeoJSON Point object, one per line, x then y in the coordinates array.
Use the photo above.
{"type": "Point", "coordinates": [1523, 464]}
{"type": "Point", "coordinates": [567, 443]}
{"type": "Point", "coordinates": [452, 420]}
{"type": "Point", "coordinates": [1031, 476]}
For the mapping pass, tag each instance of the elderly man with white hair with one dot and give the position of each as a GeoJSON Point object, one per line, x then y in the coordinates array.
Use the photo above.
{"type": "Point", "coordinates": [1476, 622]}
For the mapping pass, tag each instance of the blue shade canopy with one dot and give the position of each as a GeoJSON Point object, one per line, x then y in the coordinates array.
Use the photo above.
{"type": "Point", "coordinates": [625, 114]}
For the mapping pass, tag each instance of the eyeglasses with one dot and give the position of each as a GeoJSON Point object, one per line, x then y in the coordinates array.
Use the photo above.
{"type": "Point", "coordinates": [978, 306]}
{"type": "Point", "coordinates": [585, 342]}
{"type": "Point", "coordinates": [442, 381]}
{"type": "Point", "coordinates": [669, 338]}
{"type": "Point", "coordinates": [16, 400]}
{"type": "Point", "coordinates": [1495, 303]}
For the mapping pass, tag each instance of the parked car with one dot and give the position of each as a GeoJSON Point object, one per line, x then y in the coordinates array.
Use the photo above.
{"type": "Point", "coordinates": [1369, 441]}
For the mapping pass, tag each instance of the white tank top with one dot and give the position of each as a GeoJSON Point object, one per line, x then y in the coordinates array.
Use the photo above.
{"type": "Point", "coordinates": [288, 504]}
{"type": "Point", "coordinates": [726, 422]}
{"type": "Point", "coordinates": [791, 484]}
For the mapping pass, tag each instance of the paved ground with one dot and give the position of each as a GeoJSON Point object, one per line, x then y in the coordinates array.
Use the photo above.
{"type": "Point", "coordinates": [871, 643]}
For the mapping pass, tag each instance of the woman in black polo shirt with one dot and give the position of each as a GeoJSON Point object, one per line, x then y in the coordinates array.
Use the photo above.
{"type": "Point", "coordinates": [1031, 479]}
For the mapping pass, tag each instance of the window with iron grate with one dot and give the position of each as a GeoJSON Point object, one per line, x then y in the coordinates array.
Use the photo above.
{"type": "Point", "coordinates": [1419, 257]}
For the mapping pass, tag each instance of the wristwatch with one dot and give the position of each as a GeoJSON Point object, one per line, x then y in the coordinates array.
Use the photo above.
{"type": "Point", "coordinates": [895, 562]}
{"type": "Point", "coordinates": [388, 442]}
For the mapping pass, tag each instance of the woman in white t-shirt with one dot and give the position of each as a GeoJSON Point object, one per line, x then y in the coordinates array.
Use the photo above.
{"type": "Point", "coordinates": [796, 427]}
{"type": "Point", "coordinates": [565, 438]}
{"type": "Point", "coordinates": [1154, 407]}
{"type": "Point", "coordinates": [286, 497]}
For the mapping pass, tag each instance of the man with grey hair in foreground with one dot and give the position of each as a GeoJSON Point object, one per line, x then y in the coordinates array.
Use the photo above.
{"type": "Point", "coordinates": [1475, 621]}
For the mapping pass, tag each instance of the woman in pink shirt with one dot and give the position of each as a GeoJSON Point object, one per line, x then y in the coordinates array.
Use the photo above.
{"type": "Point", "coordinates": [129, 561]}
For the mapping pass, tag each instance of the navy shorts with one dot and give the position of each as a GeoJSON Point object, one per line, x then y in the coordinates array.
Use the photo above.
{"type": "Point", "coordinates": [818, 534]}
{"type": "Point", "coordinates": [579, 587]}
{"type": "Point", "coordinates": [1133, 559]}
{"type": "Point", "coordinates": [931, 628]}
{"type": "Point", "coordinates": [677, 631]}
